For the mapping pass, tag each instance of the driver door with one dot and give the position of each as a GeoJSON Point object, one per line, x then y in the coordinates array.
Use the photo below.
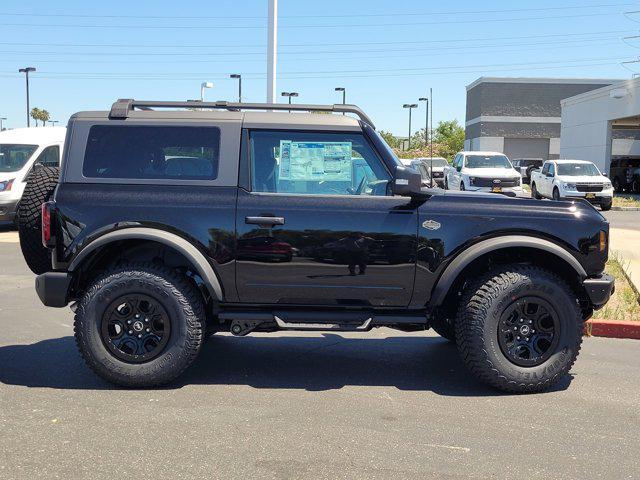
{"type": "Point", "coordinates": [316, 225]}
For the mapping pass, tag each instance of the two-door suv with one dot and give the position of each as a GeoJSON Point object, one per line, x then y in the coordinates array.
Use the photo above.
{"type": "Point", "coordinates": [174, 220]}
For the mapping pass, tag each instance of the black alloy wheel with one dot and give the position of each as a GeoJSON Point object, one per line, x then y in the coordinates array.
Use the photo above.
{"type": "Point", "coordinates": [528, 331]}
{"type": "Point", "coordinates": [135, 328]}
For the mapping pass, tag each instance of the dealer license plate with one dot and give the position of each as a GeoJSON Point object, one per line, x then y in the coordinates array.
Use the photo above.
{"type": "Point", "coordinates": [590, 195]}
{"type": "Point", "coordinates": [496, 189]}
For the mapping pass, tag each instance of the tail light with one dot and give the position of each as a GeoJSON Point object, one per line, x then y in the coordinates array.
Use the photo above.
{"type": "Point", "coordinates": [46, 224]}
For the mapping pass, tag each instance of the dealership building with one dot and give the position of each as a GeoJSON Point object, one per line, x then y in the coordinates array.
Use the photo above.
{"type": "Point", "coordinates": [526, 117]}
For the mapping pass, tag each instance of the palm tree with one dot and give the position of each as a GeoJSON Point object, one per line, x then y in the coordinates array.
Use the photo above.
{"type": "Point", "coordinates": [44, 117]}
{"type": "Point", "coordinates": [35, 114]}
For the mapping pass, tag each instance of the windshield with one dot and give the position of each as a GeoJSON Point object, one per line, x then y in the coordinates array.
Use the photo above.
{"type": "Point", "coordinates": [487, 161]}
{"type": "Point", "coordinates": [577, 169]}
{"type": "Point", "coordinates": [13, 157]}
{"type": "Point", "coordinates": [437, 162]}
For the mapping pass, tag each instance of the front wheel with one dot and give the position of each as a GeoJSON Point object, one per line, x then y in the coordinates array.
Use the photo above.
{"type": "Point", "coordinates": [462, 189]}
{"type": "Point", "coordinates": [534, 192]}
{"type": "Point", "coordinates": [605, 207]}
{"type": "Point", "coordinates": [556, 193]}
{"type": "Point", "coordinates": [519, 328]}
{"type": "Point", "coordinates": [140, 325]}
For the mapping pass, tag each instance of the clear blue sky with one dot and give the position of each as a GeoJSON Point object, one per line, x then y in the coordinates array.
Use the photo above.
{"type": "Point", "coordinates": [385, 53]}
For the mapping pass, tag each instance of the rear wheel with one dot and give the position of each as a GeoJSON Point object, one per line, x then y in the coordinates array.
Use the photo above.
{"type": "Point", "coordinates": [140, 325]}
{"type": "Point", "coordinates": [40, 186]}
{"type": "Point", "coordinates": [519, 328]}
{"type": "Point", "coordinates": [462, 189]}
{"type": "Point", "coordinates": [616, 185]}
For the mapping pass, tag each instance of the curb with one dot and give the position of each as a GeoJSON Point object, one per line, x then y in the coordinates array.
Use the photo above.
{"type": "Point", "coordinates": [612, 329]}
{"type": "Point", "coordinates": [626, 209]}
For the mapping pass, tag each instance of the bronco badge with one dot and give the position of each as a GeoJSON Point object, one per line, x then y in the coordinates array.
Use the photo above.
{"type": "Point", "coordinates": [431, 225]}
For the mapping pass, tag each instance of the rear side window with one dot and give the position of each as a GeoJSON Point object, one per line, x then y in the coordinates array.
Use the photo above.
{"type": "Point", "coordinates": [50, 156]}
{"type": "Point", "coordinates": [146, 152]}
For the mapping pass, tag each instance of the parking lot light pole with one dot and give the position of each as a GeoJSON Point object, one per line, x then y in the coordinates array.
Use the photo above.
{"type": "Point", "coordinates": [289, 94]}
{"type": "Point", "coordinates": [426, 138]}
{"type": "Point", "coordinates": [2, 119]}
{"type": "Point", "coordinates": [26, 71]}
{"type": "Point", "coordinates": [344, 95]}
{"type": "Point", "coordinates": [239, 77]}
{"type": "Point", "coordinates": [204, 85]}
{"type": "Point", "coordinates": [410, 106]}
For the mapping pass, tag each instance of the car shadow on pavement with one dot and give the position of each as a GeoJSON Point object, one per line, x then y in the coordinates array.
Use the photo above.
{"type": "Point", "coordinates": [270, 362]}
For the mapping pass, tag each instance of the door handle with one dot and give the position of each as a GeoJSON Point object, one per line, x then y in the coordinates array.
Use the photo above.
{"type": "Point", "coordinates": [264, 221]}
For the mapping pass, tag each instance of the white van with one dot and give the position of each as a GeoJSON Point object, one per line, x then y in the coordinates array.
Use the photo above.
{"type": "Point", "coordinates": [20, 150]}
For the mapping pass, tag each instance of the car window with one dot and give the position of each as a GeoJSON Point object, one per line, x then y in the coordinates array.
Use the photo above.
{"type": "Point", "coordinates": [152, 152]}
{"type": "Point", "coordinates": [578, 169]}
{"type": "Point", "coordinates": [50, 156]}
{"type": "Point", "coordinates": [315, 163]}
{"type": "Point", "coordinates": [487, 161]}
{"type": "Point", "coordinates": [545, 168]}
{"type": "Point", "coordinates": [516, 163]}
{"type": "Point", "coordinates": [14, 156]}
{"type": "Point", "coordinates": [552, 169]}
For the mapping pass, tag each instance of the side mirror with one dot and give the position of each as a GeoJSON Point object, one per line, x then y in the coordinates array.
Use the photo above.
{"type": "Point", "coordinates": [406, 182]}
{"type": "Point", "coordinates": [549, 174]}
{"type": "Point", "coordinates": [459, 168]}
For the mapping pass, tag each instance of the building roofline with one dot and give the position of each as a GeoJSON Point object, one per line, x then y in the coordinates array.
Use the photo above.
{"type": "Point", "coordinates": [631, 84]}
{"type": "Point", "coordinates": [541, 80]}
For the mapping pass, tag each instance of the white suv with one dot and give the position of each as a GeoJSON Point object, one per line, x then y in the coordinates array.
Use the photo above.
{"type": "Point", "coordinates": [20, 149]}
{"type": "Point", "coordinates": [483, 172]}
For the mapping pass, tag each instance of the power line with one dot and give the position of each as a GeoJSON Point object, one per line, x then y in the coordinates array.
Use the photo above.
{"type": "Point", "coordinates": [408, 42]}
{"type": "Point", "coordinates": [261, 27]}
{"type": "Point", "coordinates": [313, 55]}
{"type": "Point", "coordinates": [348, 15]}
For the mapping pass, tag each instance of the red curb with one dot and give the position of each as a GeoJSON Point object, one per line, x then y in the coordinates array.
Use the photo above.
{"type": "Point", "coordinates": [613, 329]}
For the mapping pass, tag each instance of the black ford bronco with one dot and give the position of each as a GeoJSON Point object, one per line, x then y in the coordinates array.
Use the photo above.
{"type": "Point", "coordinates": [170, 221]}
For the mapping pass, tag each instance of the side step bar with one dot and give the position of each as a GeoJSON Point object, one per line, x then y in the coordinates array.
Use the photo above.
{"type": "Point", "coordinates": [243, 322]}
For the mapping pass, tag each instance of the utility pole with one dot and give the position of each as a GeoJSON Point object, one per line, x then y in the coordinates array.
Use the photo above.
{"type": "Point", "coordinates": [204, 85]}
{"type": "Point", "coordinates": [272, 51]}
{"type": "Point", "coordinates": [26, 71]}
{"type": "Point", "coordinates": [431, 132]}
{"type": "Point", "coordinates": [239, 77]}
{"type": "Point", "coordinates": [426, 139]}
{"type": "Point", "coordinates": [410, 106]}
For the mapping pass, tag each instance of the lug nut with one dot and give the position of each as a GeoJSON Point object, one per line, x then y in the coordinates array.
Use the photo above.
{"type": "Point", "coordinates": [137, 315]}
{"type": "Point", "coordinates": [128, 322]}
{"type": "Point", "coordinates": [146, 320]}
{"type": "Point", "coordinates": [130, 332]}
{"type": "Point", "coordinates": [139, 335]}
{"type": "Point", "coordinates": [148, 330]}
{"type": "Point", "coordinates": [518, 337]}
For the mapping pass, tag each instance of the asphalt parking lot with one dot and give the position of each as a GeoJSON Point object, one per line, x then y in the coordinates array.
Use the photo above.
{"type": "Point", "coordinates": [377, 405]}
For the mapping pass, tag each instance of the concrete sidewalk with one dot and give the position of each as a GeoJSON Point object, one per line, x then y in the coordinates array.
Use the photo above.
{"type": "Point", "coordinates": [626, 243]}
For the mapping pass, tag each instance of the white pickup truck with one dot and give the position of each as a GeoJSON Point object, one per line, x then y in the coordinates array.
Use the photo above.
{"type": "Point", "coordinates": [563, 179]}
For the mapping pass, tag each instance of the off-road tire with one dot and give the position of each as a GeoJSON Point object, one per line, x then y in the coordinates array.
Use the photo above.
{"type": "Point", "coordinates": [478, 319]}
{"type": "Point", "coordinates": [445, 328]}
{"type": "Point", "coordinates": [40, 186]}
{"type": "Point", "coordinates": [605, 207]}
{"type": "Point", "coordinates": [181, 300]}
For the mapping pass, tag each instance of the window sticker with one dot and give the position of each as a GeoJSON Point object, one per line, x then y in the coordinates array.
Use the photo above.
{"type": "Point", "coordinates": [315, 161]}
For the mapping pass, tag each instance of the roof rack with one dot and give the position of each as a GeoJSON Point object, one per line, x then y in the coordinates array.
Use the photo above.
{"type": "Point", "coordinates": [124, 106]}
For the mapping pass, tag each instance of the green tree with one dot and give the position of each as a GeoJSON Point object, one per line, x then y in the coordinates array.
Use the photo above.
{"type": "Point", "coordinates": [35, 114]}
{"type": "Point", "coordinates": [391, 140]}
{"type": "Point", "coordinates": [45, 116]}
{"type": "Point", "coordinates": [450, 135]}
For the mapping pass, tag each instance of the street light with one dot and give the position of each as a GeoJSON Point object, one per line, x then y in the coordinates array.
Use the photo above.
{"type": "Point", "coordinates": [410, 106]}
{"type": "Point", "coordinates": [426, 138]}
{"type": "Point", "coordinates": [2, 119]}
{"type": "Point", "coordinates": [344, 94]}
{"type": "Point", "coordinates": [239, 77]}
{"type": "Point", "coordinates": [289, 94]}
{"type": "Point", "coordinates": [26, 71]}
{"type": "Point", "coordinates": [202, 87]}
